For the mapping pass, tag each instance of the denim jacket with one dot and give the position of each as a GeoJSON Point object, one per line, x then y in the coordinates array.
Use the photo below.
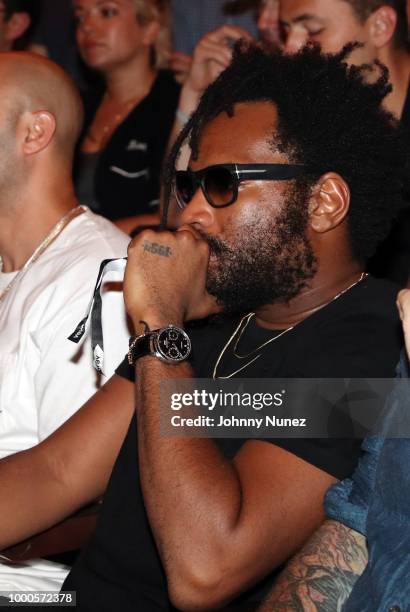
{"type": "Point", "coordinates": [376, 503]}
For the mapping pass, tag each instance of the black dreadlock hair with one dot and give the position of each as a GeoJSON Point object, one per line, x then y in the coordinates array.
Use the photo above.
{"type": "Point", "coordinates": [330, 117]}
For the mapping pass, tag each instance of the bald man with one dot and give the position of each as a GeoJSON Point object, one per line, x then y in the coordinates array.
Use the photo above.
{"type": "Point", "coordinates": [50, 250]}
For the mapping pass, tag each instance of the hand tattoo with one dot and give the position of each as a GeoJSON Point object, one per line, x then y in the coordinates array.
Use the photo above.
{"type": "Point", "coordinates": [157, 249]}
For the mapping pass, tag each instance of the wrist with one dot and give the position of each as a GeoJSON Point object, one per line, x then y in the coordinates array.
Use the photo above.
{"type": "Point", "coordinates": [182, 117]}
{"type": "Point", "coordinates": [189, 99]}
{"type": "Point", "coordinates": [155, 320]}
{"type": "Point", "coordinates": [169, 344]}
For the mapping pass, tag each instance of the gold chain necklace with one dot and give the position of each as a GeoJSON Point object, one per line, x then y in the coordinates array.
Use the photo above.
{"type": "Point", "coordinates": [109, 127]}
{"type": "Point", "coordinates": [51, 236]}
{"type": "Point", "coordinates": [243, 324]}
{"type": "Point", "coordinates": [100, 136]}
{"type": "Point", "coordinates": [242, 327]}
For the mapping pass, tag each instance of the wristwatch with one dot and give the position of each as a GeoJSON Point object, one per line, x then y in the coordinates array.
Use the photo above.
{"type": "Point", "coordinates": [170, 344]}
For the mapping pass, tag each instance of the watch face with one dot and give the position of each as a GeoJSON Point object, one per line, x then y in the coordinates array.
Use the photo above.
{"type": "Point", "coordinates": [173, 344]}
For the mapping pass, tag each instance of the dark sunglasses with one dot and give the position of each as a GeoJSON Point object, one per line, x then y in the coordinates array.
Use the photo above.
{"type": "Point", "coordinates": [220, 183]}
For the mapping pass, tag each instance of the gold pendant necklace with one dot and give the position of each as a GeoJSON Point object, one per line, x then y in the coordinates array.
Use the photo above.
{"type": "Point", "coordinates": [101, 135]}
{"type": "Point", "coordinates": [109, 127]}
{"type": "Point", "coordinates": [242, 327]}
{"type": "Point", "coordinates": [51, 236]}
{"type": "Point", "coordinates": [243, 324]}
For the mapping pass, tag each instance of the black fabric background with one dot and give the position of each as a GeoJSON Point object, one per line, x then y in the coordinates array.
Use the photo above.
{"type": "Point", "coordinates": [392, 258]}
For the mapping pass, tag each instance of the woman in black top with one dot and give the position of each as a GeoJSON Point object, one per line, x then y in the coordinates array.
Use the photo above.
{"type": "Point", "coordinates": [128, 123]}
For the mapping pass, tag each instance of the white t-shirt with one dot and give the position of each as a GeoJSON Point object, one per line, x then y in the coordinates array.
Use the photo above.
{"type": "Point", "coordinates": [44, 377]}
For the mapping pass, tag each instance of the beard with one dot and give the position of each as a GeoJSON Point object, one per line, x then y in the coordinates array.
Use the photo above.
{"type": "Point", "coordinates": [270, 261]}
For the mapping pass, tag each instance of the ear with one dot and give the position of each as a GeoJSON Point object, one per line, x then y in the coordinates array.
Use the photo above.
{"type": "Point", "coordinates": [381, 25]}
{"type": "Point", "coordinates": [38, 130]}
{"type": "Point", "coordinates": [151, 32]}
{"type": "Point", "coordinates": [16, 26]}
{"type": "Point", "coordinates": [329, 204]}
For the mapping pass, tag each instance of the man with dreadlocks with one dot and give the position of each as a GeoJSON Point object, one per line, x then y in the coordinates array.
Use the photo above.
{"type": "Point", "coordinates": [381, 28]}
{"type": "Point", "coordinates": [294, 178]}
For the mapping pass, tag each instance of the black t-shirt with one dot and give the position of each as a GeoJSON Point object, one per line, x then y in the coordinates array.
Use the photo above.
{"type": "Point", "coordinates": [127, 173]}
{"type": "Point", "coordinates": [356, 335]}
{"type": "Point", "coordinates": [392, 258]}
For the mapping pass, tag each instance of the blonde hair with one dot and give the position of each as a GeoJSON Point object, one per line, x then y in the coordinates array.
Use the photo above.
{"type": "Point", "coordinates": [157, 10]}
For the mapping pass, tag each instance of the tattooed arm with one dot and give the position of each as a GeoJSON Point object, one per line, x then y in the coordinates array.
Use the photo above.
{"type": "Point", "coordinates": [321, 576]}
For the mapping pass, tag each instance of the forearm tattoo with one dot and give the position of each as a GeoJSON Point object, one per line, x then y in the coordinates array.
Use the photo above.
{"type": "Point", "coordinates": [157, 249]}
{"type": "Point", "coordinates": [321, 576]}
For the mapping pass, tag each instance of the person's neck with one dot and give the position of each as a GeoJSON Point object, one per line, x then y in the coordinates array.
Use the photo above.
{"type": "Point", "coordinates": [121, 84]}
{"type": "Point", "coordinates": [25, 223]}
{"type": "Point", "coordinates": [398, 63]}
{"type": "Point", "coordinates": [321, 290]}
